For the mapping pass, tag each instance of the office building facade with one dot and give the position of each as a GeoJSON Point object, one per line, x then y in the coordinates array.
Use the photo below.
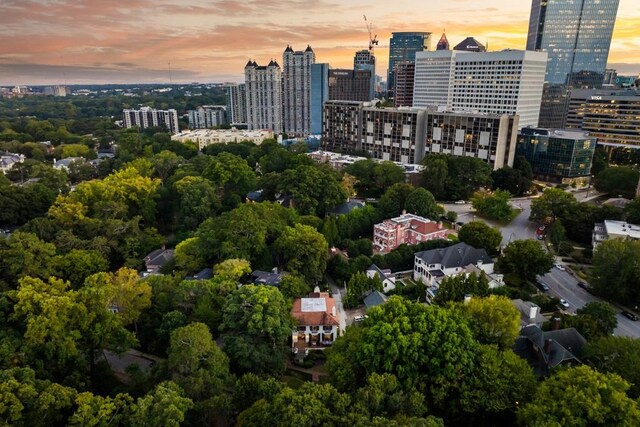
{"type": "Point", "coordinates": [150, 117]}
{"type": "Point", "coordinates": [577, 36]}
{"type": "Point", "coordinates": [557, 155]}
{"type": "Point", "coordinates": [611, 116]}
{"type": "Point", "coordinates": [296, 90]}
{"type": "Point", "coordinates": [264, 96]}
{"type": "Point", "coordinates": [207, 116]}
{"type": "Point", "coordinates": [406, 135]}
{"type": "Point", "coordinates": [506, 82]}
{"type": "Point", "coordinates": [404, 80]}
{"type": "Point", "coordinates": [403, 47]}
{"type": "Point", "coordinates": [470, 45]}
{"type": "Point", "coordinates": [319, 95]}
{"type": "Point", "coordinates": [349, 85]}
{"type": "Point", "coordinates": [237, 104]}
{"type": "Point", "coordinates": [365, 60]}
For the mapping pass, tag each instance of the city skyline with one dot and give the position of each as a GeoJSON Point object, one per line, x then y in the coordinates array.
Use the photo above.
{"type": "Point", "coordinates": [97, 41]}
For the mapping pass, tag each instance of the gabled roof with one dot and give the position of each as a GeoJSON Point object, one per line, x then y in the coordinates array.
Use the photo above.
{"type": "Point", "coordinates": [270, 278]}
{"type": "Point", "coordinates": [308, 49]}
{"type": "Point", "coordinates": [552, 348]}
{"type": "Point", "coordinates": [458, 255]}
{"type": "Point", "coordinates": [288, 49]}
{"type": "Point", "coordinates": [381, 273]}
{"type": "Point", "coordinates": [159, 257]}
{"type": "Point", "coordinates": [306, 315]}
{"type": "Point", "coordinates": [204, 274]}
{"type": "Point", "coordinates": [375, 298]}
{"type": "Point", "coordinates": [443, 43]}
{"type": "Point", "coordinates": [347, 207]}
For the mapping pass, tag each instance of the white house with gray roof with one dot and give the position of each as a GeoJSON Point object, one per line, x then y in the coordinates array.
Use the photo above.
{"type": "Point", "coordinates": [433, 265]}
{"type": "Point", "coordinates": [387, 278]}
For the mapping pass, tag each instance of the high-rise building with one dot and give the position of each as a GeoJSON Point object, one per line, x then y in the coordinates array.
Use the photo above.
{"type": "Point", "coordinates": [470, 45]}
{"type": "Point", "coordinates": [557, 155]}
{"type": "Point", "coordinates": [443, 43]}
{"type": "Point", "coordinates": [609, 80]}
{"type": "Point", "coordinates": [319, 95]}
{"type": "Point", "coordinates": [341, 126]}
{"type": "Point", "coordinates": [406, 135]}
{"type": "Point", "coordinates": [264, 96]}
{"type": "Point", "coordinates": [403, 47]}
{"type": "Point", "coordinates": [237, 104]}
{"type": "Point", "coordinates": [296, 90]}
{"type": "Point", "coordinates": [577, 36]}
{"type": "Point", "coordinates": [404, 78]}
{"type": "Point", "coordinates": [366, 60]}
{"type": "Point", "coordinates": [207, 116]}
{"type": "Point", "coordinates": [150, 117]}
{"type": "Point", "coordinates": [56, 90]}
{"type": "Point", "coordinates": [506, 82]}
{"type": "Point", "coordinates": [611, 116]}
{"type": "Point", "coordinates": [349, 85]}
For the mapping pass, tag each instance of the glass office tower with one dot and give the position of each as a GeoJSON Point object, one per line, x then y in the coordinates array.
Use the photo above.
{"type": "Point", "coordinates": [577, 35]}
{"type": "Point", "coordinates": [403, 47]}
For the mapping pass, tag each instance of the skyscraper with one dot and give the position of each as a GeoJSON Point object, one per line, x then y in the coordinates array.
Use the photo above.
{"type": "Point", "coordinates": [237, 104]}
{"type": "Point", "coordinates": [264, 96]}
{"type": "Point", "coordinates": [365, 60]}
{"type": "Point", "coordinates": [577, 36]}
{"type": "Point", "coordinates": [443, 43]}
{"type": "Point", "coordinates": [403, 47]}
{"type": "Point", "coordinates": [319, 94]}
{"type": "Point", "coordinates": [507, 82]}
{"type": "Point", "coordinates": [403, 90]}
{"type": "Point", "coordinates": [150, 117]}
{"type": "Point", "coordinates": [296, 90]}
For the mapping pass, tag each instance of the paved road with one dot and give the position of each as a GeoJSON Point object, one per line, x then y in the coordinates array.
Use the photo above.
{"type": "Point", "coordinates": [518, 229]}
{"type": "Point", "coordinates": [564, 285]}
{"type": "Point", "coordinates": [336, 293]}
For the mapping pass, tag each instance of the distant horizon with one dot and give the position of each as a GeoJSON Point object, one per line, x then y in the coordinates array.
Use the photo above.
{"type": "Point", "coordinates": [98, 42]}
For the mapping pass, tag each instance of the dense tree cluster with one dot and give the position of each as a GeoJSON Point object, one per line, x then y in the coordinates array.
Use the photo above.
{"type": "Point", "coordinates": [452, 178]}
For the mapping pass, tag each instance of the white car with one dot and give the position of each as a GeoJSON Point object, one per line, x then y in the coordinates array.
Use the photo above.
{"type": "Point", "coordinates": [564, 303]}
{"type": "Point", "coordinates": [560, 267]}
{"type": "Point", "coordinates": [460, 202]}
{"type": "Point", "coordinates": [359, 318]}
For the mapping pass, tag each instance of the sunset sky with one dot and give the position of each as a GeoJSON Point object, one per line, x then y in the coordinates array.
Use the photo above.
{"type": "Point", "coordinates": [133, 41]}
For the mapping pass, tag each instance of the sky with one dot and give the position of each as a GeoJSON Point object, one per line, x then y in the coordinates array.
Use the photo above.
{"type": "Point", "coordinates": [158, 41]}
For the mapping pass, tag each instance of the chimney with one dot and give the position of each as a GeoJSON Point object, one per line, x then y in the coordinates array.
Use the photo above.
{"type": "Point", "coordinates": [555, 324]}
{"type": "Point", "coordinates": [533, 311]}
{"type": "Point", "coordinates": [316, 290]}
{"type": "Point", "coordinates": [547, 345]}
{"type": "Point", "coordinates": [439, 225]}
{"type": "Point", "coordinates": [333, 311]}
{"type": "Point", "coordinates": [404, 211]}
{"type": "Point", "coordinates": [467, 298]}
{"type": "Point", "coordinates": [274, 270]}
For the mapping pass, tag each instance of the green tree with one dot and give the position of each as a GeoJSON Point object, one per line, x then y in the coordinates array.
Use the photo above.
{"type": "Point", "coordinates": [434, 177]}
{"type": "Point", "coordinates": [618, 180]}
{"type": "Point", "coordinates": [79, 264]}
{"type": "Point", "coordinates": [596, 319]}
{"type": "Point", "coordinates": [188, 255]}
{"type": "Point", "coordinates": [165, 406]}
{"type": "Point", "coordinates": [165, 163]}
{"type": "Point", "coordinates": [511, 180]}
{"type": "Point", "coordinates": [421, 202]}
{"type": "Point", "coordinates": [196, 363]}
{"type": "Point", "coordinates": [198, 200]}
{"type": "Point", "coordinates": [256, 327]}
{"type": "Point", "coordinates": [373, 178]}
{"type": "Point", "coordinates": [523, 166]}
{"type": "Point", "coordinates": [359, 284]}
{"type": "Point", "coordinates": [493, 320]}
{"type": "Point", "coordinates": [632, 211]}
{"type": "Point", "coordinates": [94, 410]}
{"type": "Point", "coordinates": [454, 288]}
{"type": "Point", "coordinates": [394, 199]}
{"type": "Point", "coordinates": [315, 188]}
{"type": "Point", "coordinates": [557, 232]}
{"type": "Point", "coordinates": [303, 250]}
{"type": "Point", "coordinates": [232, 269]}
{"type": "Point", "coordinates": [330, 230]}
{"type": "Point", "coordinates": [23, 254]}
{"type": "Point", "coordinates": [481, 236]}
{"type": "Point", "coordinates": [617, 355]}
{"type": "Point", "coordinates": [233, 175]}
{"type": "Point", "coordinates": [581, 396]}
{"type": "Point", "coordinates": [554, 203]}
{"type": "Point", "coordinates": [294, 286]}
{"type": "Point", "coordinates": [493, 206]}
{"type": "Point", "coordinates": [612, 275]}
{"type": "Point", "coordinates": [525, 259]}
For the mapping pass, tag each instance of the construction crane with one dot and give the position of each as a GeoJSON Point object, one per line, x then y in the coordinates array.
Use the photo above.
{"type": "Point", "coordinates": [373, 40]}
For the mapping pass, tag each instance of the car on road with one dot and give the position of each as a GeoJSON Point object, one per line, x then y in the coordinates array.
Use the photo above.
{"type": "Point", "coordinates": [564, 303]}
{"type": "Point", "coordinates": [585, 287]}
{"type": "Point", "coordinates": [559, 266]}
{"type": "Point", "coordinates": [542, 286]}
{"type": "Point", "coordinates": [359, 318]}
{"type": "Point", "coordinates": [460, 202]}
{"type": "Point", "coordinates": [629, 315]}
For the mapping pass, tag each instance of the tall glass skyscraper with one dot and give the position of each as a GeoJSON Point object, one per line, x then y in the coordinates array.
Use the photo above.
{"type": "Point", "coordinates": [577, 35]}
{"type": "Point", "coordinates": [403, 47]}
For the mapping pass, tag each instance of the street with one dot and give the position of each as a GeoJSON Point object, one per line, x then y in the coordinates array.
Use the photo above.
{"type": "Point", "coordinates": [564, 285]}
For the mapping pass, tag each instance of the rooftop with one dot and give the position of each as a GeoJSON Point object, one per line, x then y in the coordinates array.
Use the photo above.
{"type": "Point", "coordinates": [458, 255]}
{"type": "Point", "coordinates": [622, 228]}
{"type": "Point", "coordinates": [316, 309]}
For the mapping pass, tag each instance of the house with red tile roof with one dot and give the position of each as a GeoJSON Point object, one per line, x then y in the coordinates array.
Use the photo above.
{"type": "Point", "coordinates": [317, 322]}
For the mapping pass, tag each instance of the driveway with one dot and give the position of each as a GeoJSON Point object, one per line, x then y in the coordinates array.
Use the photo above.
{"type": "Point", "coordinates": [336, 293]}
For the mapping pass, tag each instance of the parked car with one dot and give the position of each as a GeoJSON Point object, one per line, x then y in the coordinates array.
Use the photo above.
{"type": "Point", "coordinates": [359, 318]}
{"type": "Point", "coordinates": [542, 286]}
{"type": "Point", "coordinates": [559, 266]}
{"type": "Point", "coordinates": [460, 223]}
{"type": "Point", "coordinates": [564, 303]}
{"type": "Point", "coordinates": [629, 315]}
{"type": "Point", "coordinates": [460, 202]}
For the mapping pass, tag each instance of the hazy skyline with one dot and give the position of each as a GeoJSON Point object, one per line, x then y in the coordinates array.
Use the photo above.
{"type": "Point", "coordinates": [101, 41]}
